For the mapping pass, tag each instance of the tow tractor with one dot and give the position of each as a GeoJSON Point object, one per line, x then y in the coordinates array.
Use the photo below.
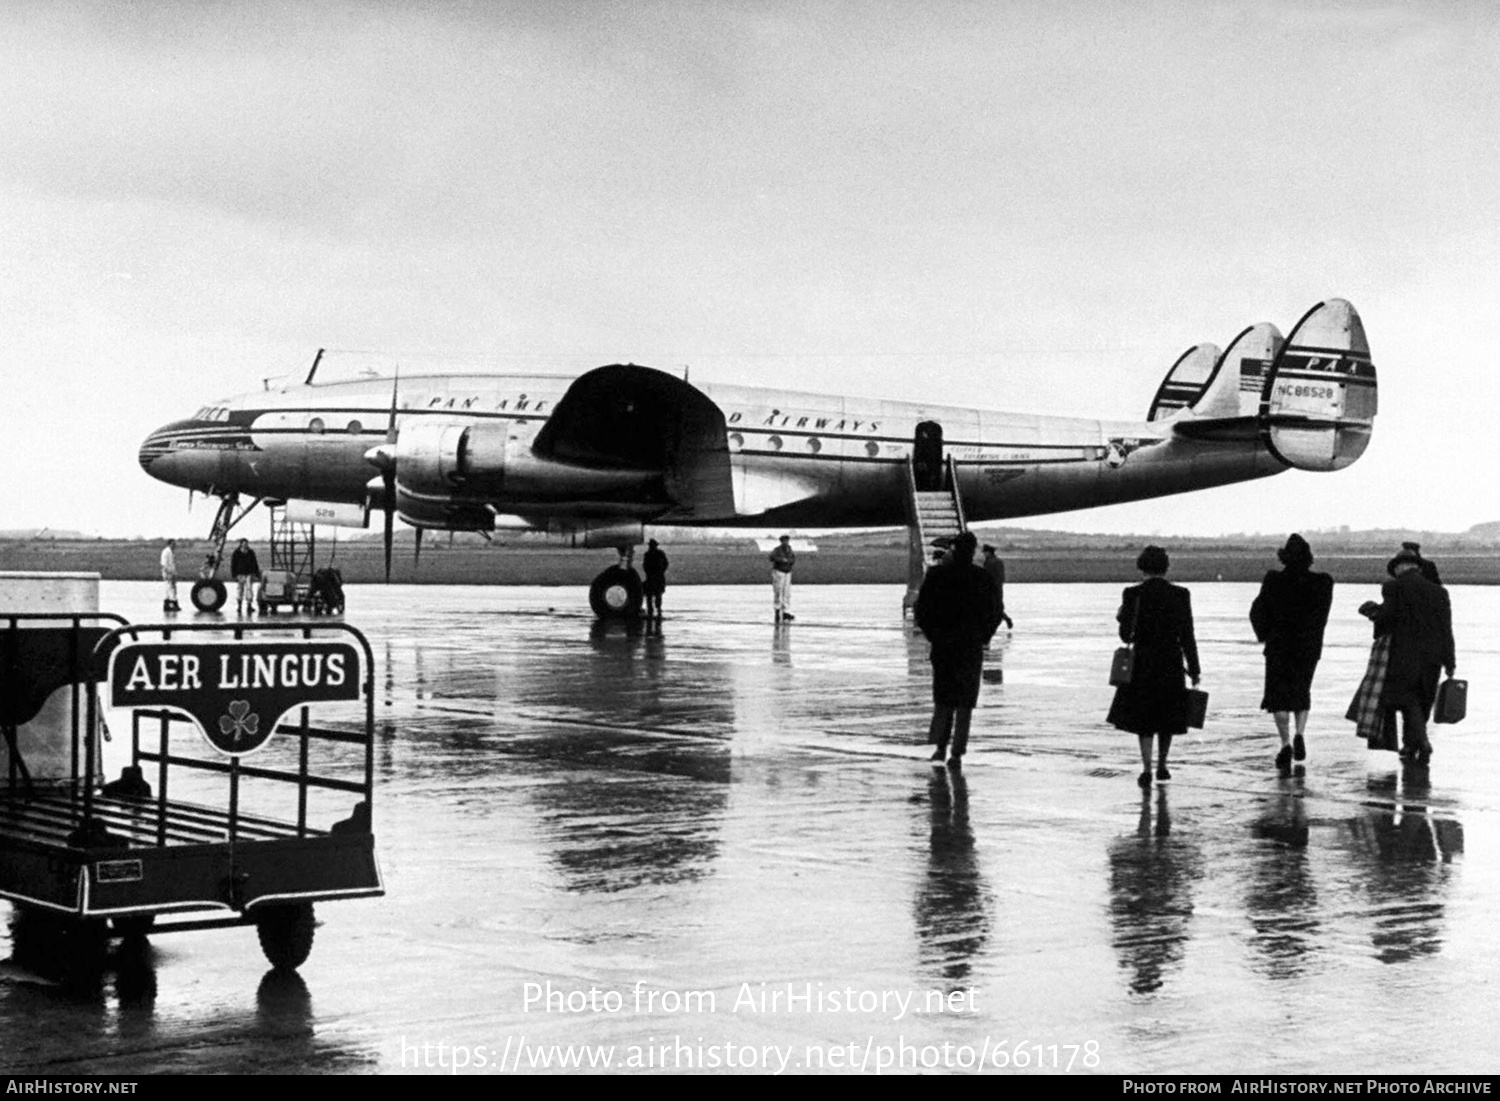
{"type": "Point", "coordinates": [235, 808]}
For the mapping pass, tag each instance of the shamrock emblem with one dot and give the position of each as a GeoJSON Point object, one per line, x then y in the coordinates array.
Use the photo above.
{"type": "Point", "coordinates": [239, 725]}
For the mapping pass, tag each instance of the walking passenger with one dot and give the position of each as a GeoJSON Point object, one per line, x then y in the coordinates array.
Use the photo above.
{"type": "Point", "coordinates": [1157, 618]}
{"type": "Point", "coordinates": [1415, 614]}
{"type": "Point", "coordinates": [1429, 568]}
{"type": "Point", "coordinates": [958, 609]}
{"type": "Point", "coordinates": [995, 567]}
{"type": "Point", "coordinates": [783, 559]}
{"type": "Point", "coordinates": [246, 573]}
{"type": "Point", "coordinates": [655, 566]}
{"type": "Point", "coordinates": [1289, 616]}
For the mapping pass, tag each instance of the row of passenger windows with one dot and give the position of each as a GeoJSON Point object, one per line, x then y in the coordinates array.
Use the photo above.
{"type": "Point", "coordinates": [812, 444]}
{"type": "Point", "coordinates": [317, 425]}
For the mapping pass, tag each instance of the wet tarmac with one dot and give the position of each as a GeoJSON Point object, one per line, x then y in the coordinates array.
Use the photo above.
{"type": "Point", "coordinates": [720, 846]}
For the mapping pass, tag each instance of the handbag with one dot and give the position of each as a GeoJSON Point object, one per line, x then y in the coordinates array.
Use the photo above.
{"type": "Point", "coordinates": [1197, 707]}
{"type": "Point", "coordinates": [1452, 701]}
{"type": "Point", "coordinates": [1122, 669]}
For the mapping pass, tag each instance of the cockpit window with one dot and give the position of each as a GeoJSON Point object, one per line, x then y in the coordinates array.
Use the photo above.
{"type": "Point", "coordinates": [212, 413]}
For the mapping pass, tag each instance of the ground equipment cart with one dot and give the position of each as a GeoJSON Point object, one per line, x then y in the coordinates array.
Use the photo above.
{"type": "Point", "coordinates": [235, 808]}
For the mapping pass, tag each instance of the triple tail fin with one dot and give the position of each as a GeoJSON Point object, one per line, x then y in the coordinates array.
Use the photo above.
{"type": "Point", "coordinates": [1310, 398]}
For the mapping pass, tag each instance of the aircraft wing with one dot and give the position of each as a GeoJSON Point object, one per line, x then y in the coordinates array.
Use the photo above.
{"type": "Point", "coordinates": [636, 418]}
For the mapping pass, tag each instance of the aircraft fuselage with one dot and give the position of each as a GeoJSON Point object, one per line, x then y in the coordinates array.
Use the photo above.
{"type": "Point", "coordinates": [627, 445]}
{"type": "Point", "coordinates": [791, 458]}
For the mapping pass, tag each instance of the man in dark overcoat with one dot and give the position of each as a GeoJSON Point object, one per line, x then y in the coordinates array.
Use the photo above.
{"type": "Point", "coordinates": [654, 564]}
{"type": "Point", "coordinates": [1418, 617]}
{"type": "Point", "coordinates": [958, 609]}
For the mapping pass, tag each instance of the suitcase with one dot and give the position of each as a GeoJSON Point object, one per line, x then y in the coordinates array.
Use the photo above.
{"type": "Point", "coordinates": [1452, 701]}
{"type": "Point", "coordinates": [1197, 708]}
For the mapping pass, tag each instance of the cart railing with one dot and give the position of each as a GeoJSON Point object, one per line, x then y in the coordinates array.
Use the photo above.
{"type": "Point", "coordinates": [152, 730]}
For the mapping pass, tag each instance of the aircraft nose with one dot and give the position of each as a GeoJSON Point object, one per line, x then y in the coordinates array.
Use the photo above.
{"type": "Point", "coordinates": [170, 453]}
{"type": "Point", "coordinates": [152, 448]}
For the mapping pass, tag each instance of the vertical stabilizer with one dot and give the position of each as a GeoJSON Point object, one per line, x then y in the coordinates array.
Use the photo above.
{"type": "Point", "coordinates": [1318, 400]}
{"type": "Point", "coordinates": [1186, 382]}
{"type": "Point", "coordinates": [1249, 356]}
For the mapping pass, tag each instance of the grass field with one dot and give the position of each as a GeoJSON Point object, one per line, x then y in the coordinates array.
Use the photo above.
{"type": "Point", "coordinates": [733, 563]}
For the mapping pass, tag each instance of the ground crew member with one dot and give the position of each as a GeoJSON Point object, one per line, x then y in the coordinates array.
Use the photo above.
{"type": "Point", "coordinates": [783, 558]}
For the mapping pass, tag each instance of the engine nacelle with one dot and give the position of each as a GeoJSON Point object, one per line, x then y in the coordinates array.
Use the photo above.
{"type": "Point", "coordinates": [427, 458]}
{"type": "Point", "coordinates": [600, 534]}
{"type": "Point", "coordinates": [443, 514]}
{"type": "Point", "coordinates": [492, 460]}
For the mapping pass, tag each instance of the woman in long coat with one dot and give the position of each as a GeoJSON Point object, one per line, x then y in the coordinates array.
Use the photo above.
{"type": "Point", "coordinates": [1157, 617]}
{"type": "Point", "coordinates": [1289, 616]}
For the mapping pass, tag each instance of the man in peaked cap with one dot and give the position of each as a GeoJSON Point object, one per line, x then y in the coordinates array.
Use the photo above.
{"type": "Point", "coordinates": [1417, 616]}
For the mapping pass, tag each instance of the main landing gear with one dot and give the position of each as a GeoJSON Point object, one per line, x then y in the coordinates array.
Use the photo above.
{"type": "Point", "coordinates": [616, 593]}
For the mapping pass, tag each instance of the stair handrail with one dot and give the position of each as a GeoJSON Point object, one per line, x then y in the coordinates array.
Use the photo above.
{"type": "Point", "coordinates": [913, 511]}
{"type": "Point", "coordinates": [958, 501]}
{"type": "Point", "coordinates": [916, 554]}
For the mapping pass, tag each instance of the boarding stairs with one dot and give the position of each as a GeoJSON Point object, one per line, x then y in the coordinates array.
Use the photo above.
{"type": "Point", "coordinates": [932, 515]}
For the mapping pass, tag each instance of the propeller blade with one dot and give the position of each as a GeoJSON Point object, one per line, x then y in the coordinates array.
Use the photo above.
{"type": "Point", "coordinates": [390, 481]}
{"type": "Point", "coordinates": [416, 557]}
{"type": "Point", "coordinates": [390, 428]}
{"type": "Point", "coordinates": [390, 521]}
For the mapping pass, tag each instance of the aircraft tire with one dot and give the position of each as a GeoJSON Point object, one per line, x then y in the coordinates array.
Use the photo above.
{"type": "Point", "coordinates": [209, 595]}
{"type": "Point", "coordinates": [616, 594]}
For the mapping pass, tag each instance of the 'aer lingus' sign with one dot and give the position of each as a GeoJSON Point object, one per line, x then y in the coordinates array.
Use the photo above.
{"type": "Point", "coordinates": [235, 691]}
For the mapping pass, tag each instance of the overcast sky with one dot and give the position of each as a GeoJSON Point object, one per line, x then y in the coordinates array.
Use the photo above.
{"type": "Point", "coordinates": [1007, 205]}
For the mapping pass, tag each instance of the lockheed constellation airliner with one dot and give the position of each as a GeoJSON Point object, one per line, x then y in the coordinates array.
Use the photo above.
{"type": "Point", "coordinates": [594, 458]}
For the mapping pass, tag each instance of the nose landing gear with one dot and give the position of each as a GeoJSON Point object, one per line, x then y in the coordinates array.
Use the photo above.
{"type": "Point", "coordinates": [208, 592]}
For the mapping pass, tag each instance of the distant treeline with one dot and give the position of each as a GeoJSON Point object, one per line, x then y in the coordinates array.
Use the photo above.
{"type": "Point", "coordinates": [471, 562]}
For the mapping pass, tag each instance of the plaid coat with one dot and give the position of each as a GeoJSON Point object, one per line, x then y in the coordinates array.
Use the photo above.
{"type": "Point", "coordinates": [1364, 710]}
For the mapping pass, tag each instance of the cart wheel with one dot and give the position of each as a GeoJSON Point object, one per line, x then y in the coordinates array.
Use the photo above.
{"type": "Point", "coordinates": [209, 595]}
{"type": "Point", "coordinates": [286, 934]}
{"type": "Point", "coordinates": [71, 949]}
